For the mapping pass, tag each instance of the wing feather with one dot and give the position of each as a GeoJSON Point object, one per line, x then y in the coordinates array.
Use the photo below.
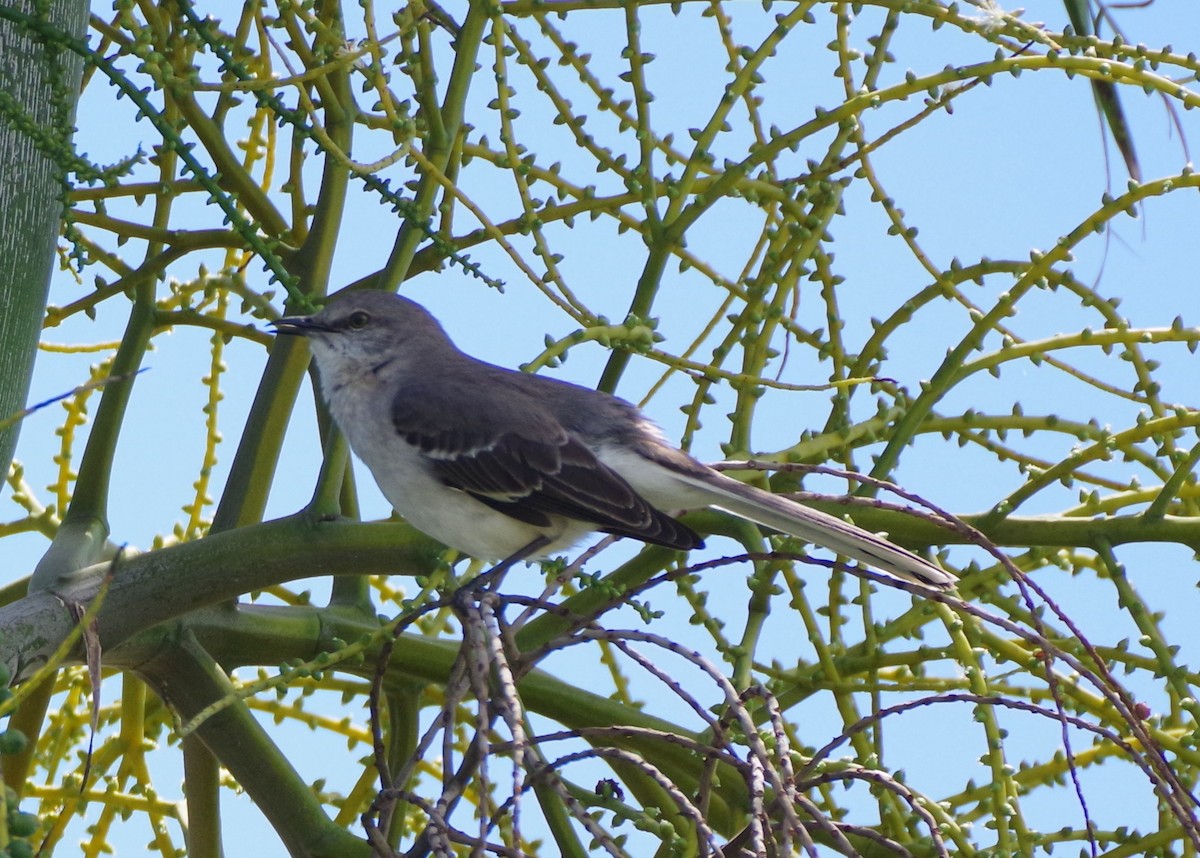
{"type": "Point", "coordinates": [531, 472]}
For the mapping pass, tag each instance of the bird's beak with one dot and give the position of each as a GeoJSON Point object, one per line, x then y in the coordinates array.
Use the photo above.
{"type": "Point", "coordinates": [297, 325]}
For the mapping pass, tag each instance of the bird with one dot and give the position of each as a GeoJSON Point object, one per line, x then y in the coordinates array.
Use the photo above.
{"type": "Point", "coordinates": [506, 465]}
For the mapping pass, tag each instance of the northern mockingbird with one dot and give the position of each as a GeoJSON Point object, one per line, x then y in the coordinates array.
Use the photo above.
{"type": "Point", "coordinates": [495, 462]}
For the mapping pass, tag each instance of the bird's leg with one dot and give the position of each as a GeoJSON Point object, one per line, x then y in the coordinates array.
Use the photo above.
{"type": "Point", "coordinates": [491, 577]}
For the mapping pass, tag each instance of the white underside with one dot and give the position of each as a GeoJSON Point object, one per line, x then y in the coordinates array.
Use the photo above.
{"type": "Point", "coordinates": [409, 486]}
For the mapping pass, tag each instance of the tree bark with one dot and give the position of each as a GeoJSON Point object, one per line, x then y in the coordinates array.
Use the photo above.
{"type": "Point", "coordinates": [39, 88]}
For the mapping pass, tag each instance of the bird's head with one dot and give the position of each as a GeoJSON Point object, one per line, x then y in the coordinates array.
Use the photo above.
{"type": "Point", "coordinates": [359, 329]}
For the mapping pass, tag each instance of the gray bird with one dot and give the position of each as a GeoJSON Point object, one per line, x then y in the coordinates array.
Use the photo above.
{"type": "Point", "coordinates": [495, 462]}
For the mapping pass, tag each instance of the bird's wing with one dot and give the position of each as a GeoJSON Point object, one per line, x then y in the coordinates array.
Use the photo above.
{"type": "Point", "coordinates": [524, 464]}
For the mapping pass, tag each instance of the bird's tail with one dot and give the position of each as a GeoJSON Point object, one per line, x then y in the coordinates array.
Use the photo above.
{"type": "Point", "coordinates": [814, 526]}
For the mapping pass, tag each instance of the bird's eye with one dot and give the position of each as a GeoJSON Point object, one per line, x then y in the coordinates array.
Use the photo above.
{"type": "Point", "coordinates": [358, 320]}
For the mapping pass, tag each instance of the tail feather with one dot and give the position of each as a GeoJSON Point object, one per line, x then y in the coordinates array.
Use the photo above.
{"type": "Point", "coordinates": [814, 526]}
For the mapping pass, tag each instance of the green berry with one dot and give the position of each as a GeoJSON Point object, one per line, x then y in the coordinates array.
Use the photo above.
{"type": "Point", "coordinates": [22, 825]}
{"type": "Point", "coordinates": [12, 742]}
